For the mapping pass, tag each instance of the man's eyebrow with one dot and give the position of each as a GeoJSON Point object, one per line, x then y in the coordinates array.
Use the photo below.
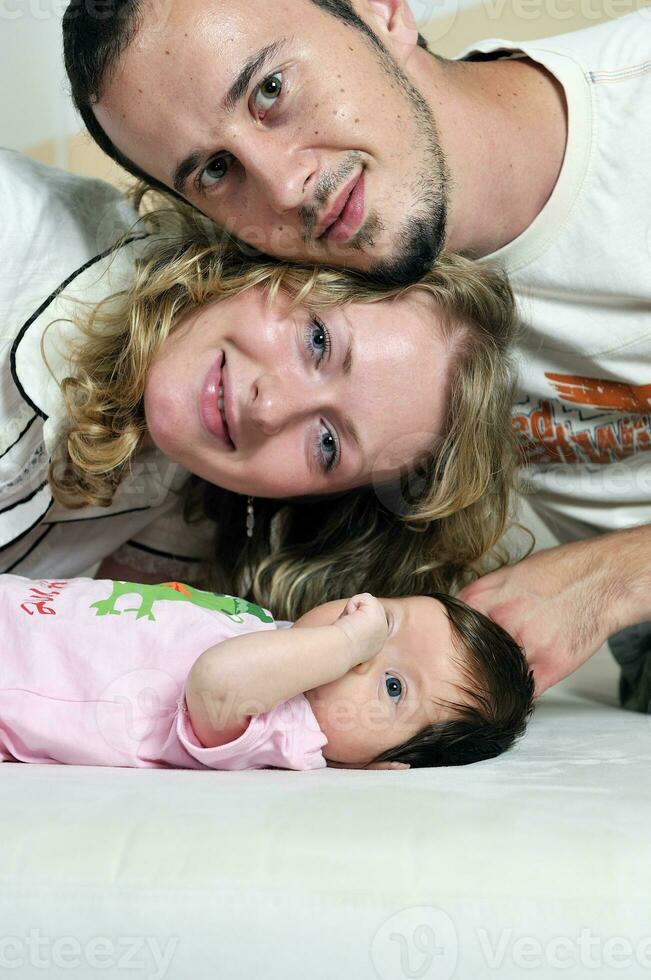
{"type": "Point", "coordinates": [250, 69]}
{"type": "Point", "coordinates": [237, 90]}
{"type": "Point", "coordinates": [184, 169]}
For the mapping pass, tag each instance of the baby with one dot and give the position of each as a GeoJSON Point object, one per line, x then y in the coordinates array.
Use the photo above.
{"type": "Point", "coordinates": [95, 672]}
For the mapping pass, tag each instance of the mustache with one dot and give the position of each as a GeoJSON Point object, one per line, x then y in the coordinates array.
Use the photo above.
{"type": "Point", "coordinates": [328, 184]}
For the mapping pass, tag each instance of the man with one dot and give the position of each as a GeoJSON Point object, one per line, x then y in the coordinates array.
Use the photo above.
{"type": "Point", "coordinates": [324, 130]}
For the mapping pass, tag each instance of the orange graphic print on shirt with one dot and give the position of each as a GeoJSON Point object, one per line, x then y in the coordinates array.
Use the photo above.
{"type": "Point", "coordinates": [592, 421]}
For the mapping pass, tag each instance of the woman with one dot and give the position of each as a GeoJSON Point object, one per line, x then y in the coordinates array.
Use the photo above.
{"type": "Point", "coordinates": [267, 381]}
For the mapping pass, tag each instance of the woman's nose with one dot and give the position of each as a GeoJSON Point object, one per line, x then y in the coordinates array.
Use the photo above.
{"type": "Point", "coordinates": [271, 406]}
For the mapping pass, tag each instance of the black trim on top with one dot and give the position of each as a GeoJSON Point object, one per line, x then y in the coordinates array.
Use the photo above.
{"type": "Point", "coordinates": [46, 303]}
{"type": "Point", "coordinates": [28, 426]}
{"type": "Point", "coordinates": [24, 500]}
{"type": "Point", "coordinates": [24, 533]}
{"type": "Point", "coordinates": [29, 550]}
{"type": "Point", "coordinates": [163, 554]}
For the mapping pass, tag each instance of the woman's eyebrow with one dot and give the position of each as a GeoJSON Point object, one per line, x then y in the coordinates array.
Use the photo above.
{"type": "Point", "coordinates": [347, 366]}
{"type": "Point", "coordinates": [347, 363]}
{"type": "Point", "coordinates": [255, 64]}
{"type": "Point", "coordinates": [353, 435]}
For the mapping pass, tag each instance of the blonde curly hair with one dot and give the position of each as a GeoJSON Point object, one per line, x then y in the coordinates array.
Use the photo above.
{"type": "Point", "coordinates": [444, 516]}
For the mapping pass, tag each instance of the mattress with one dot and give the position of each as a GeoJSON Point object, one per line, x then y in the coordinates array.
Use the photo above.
{"type": "Point", "coordinates": [530, 864]}
{"type": "Point", "coordinates": [535, 864]}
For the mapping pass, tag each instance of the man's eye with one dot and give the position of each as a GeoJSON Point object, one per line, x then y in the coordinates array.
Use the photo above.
{"type": "Point", "coordinates": [215, 171]}
{"type": "Point", "coordinates": [269, 92]}
{"type": "Point", "coordinates": [394, 687]}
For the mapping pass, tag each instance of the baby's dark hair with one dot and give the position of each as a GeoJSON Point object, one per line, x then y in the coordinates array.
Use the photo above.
{"type": "Point", "coordinates": [497, 697]}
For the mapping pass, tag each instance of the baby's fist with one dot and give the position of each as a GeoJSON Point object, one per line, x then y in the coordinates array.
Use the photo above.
{"type": "Point", "coordinates": [364, 621]}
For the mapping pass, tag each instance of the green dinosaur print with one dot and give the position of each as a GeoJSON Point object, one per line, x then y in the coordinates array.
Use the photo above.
{"type": "Point", "coordinates": [230, 605]}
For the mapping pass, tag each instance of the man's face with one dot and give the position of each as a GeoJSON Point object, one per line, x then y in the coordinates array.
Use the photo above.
{"type": "Point", "coordinates": [287, 127]}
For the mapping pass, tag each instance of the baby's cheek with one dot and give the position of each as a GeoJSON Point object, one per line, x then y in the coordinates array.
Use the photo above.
{"type": "Point", "coordinates": [356, 732]}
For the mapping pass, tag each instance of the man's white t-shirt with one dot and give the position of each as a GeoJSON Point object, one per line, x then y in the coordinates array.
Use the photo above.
{"type": "Point", "coordinates": [59, 244]}
{"type": "Point", "coordinates": [582, 276]}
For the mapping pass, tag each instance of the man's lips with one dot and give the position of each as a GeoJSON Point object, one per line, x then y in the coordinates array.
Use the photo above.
{"type": "Point", "coordinates": [345, 216]}
{"type": "Point", "coordinates": [214, 420]}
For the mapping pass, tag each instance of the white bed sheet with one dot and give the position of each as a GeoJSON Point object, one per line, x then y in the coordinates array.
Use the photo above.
{"type": "Point", "coordinates": [536, 864]}
{"type": "Point", "coordinates": [509, 867]}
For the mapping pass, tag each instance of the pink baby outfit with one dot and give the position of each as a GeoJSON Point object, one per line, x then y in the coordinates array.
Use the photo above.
{"type": "Point", "coordinates": [92, 672]}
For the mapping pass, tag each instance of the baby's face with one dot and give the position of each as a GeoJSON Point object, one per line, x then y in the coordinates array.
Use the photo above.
{"type": "Point", "coordinates": [385, 701]}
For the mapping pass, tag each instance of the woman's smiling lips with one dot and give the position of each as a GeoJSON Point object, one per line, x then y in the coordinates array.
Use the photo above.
{"type": "Point", "coordinates": [214, 420]}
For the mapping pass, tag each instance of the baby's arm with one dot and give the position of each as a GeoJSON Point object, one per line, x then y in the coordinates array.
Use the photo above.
{"type": "Point", "coordinates": [251, 674]}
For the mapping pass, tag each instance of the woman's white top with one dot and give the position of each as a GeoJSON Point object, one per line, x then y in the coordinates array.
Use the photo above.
{"type": "Point", "coordinates": [58, 236]}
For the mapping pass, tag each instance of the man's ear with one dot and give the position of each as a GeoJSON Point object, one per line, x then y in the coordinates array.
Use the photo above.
{"type": "Point", "coordinates": [394, 23]}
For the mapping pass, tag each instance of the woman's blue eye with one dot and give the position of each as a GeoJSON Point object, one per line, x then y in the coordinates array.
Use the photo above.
{"type": "Point", "coordinates": [318, 344]}
{"type": "Point", "coordinates": [394, 687]}
{"type": "Point", "coordinates": [327, 449]}
{"type": "Point", "coordinates": [319, 339]}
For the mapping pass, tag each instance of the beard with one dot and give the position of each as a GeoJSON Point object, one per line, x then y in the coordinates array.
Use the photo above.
{"type": "Point", "coordinates": [422, 237]}
{"type": "Point", "coordinates": [418, 246]}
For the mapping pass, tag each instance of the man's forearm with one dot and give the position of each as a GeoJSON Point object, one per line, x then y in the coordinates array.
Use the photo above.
{"type": "Point", "coordinates": [627, 558]}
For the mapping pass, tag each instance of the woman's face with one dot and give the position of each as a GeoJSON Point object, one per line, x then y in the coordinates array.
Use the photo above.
{"type": "Point", "coordinates": [269, 402]}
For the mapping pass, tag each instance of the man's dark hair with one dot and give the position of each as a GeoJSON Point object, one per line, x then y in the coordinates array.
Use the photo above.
{"type": "Point", "coordinates": [498, 697]}
{"type": "Point", "coordinates": [97, 32]}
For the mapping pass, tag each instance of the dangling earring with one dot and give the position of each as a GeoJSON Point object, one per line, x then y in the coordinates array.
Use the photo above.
{"type": "Point", "coordinates": [250, 518]}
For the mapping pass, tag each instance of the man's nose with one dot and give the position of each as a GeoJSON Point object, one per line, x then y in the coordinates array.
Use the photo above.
{"type": "Point", "coordinates": [284, 176]}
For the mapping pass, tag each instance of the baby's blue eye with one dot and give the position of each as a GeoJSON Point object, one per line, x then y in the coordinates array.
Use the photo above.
{"type": "Point", "coordinates": [394, 687]}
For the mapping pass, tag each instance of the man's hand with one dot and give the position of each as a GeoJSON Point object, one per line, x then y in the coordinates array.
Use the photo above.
{"type": "Point", "coordinates": [563, 603]}
{"type": "Point", "coordinates": [364, 621]}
